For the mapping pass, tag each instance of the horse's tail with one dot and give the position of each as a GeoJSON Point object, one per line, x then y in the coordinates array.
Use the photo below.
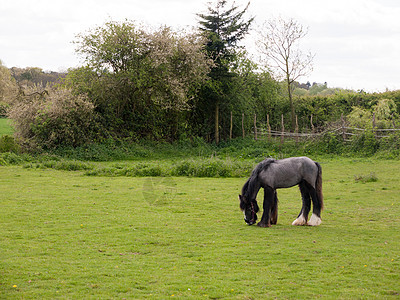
{"type": "Point", "coordinates": [318, 186]}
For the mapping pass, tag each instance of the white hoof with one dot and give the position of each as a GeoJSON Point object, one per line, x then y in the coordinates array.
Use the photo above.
{"type": "Point", "coordinates": [300, 221]}
{"type": "Point", "coordinates": [314, 220]}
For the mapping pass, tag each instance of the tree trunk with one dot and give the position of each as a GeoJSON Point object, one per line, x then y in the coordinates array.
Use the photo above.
{"type": "Point", "coordinates": [217, 123]}
{"type": "Point", "coordinates": [255, 127]}
{"type": "Point", "coordinates": [231, 127]}
{"type": "Point", "coordinates": [290, 99]}
{"type": "Point", "coordinates": [243, 125]}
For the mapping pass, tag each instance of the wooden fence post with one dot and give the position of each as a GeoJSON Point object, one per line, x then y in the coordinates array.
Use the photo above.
{"type": "Point", "coordinates": [296, 131]}
{"type": "Point", "coordinates": [243, 125]}
{"type": "Point", "coordinates": [269, 127]}
{"type": "Point", "coordinates": [343, 128]}
{"type": "Point", "coordinates": [217, 123]}
{"type": "Point", "coordinates": [393, 123]}
{"type": "Point", "coordinates": [283, 131]}
{"type": "Point", "coordinates": [312, 125]}
{"type": "Point", "coordinates": [255, 127]}
{"type": "Point", "coordinates": [230, 129]}
{"type": "Point", "coordinates": [374, 125]}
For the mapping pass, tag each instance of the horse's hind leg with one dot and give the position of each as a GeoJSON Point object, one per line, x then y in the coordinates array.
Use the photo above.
{"type": "Point", "coordinates": [269, 195]}
{"type": "Point", "coordinates": [315, 219]}
{"type": "Point", "coordinates": [305, 210]}
{"type": "Point", "coordinates": [274, 210]}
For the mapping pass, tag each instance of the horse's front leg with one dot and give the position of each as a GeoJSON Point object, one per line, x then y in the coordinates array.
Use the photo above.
{"type": "Point", "coordinates": [269, 195]}
{"type": "Point", "coordinates": [274, 210]}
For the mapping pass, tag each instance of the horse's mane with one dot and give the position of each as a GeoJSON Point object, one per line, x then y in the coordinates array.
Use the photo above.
{"type": "Point", "coordinates": [251, 183]}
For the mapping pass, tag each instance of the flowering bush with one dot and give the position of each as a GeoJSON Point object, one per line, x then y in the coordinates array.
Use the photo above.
{"type": "Point", "coordinates": [52, 118]}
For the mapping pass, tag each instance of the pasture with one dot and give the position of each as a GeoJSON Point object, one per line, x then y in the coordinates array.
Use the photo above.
{"type": "Point", "coordinates": [67, 235]}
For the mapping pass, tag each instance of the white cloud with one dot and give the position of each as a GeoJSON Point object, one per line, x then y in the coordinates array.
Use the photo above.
{"type": "Point", "coordinates": [356, 41]}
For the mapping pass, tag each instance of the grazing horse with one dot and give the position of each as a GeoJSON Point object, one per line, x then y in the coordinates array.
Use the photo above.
{"type": "Point", "coordinates": [273, 174]}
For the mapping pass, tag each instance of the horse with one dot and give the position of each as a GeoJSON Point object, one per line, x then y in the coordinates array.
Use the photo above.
{"type": "Point", "coordinates": [271, 175]}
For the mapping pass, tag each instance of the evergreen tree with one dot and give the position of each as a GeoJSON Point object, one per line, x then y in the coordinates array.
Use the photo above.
{"type": "Point", "coordinates": [223, 27]}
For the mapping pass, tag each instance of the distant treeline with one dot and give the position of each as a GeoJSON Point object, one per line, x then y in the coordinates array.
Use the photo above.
{"type": "Point", "coordinates": [33, 75]}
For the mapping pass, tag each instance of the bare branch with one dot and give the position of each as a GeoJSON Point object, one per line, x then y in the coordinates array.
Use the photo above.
{"type": "Point", "coordinates": [278, 39]}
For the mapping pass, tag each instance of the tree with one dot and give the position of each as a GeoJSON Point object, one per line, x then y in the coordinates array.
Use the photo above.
{"type": "Point", "coordinates": [53, 117]}
{"type": "Point", "coordinates": [223, 27]}
{"type": "Point", "coordinates": [137, 76]}
{"type": "Point", "coordinates": [31, 76]}
{"type": "Point", "coordinates": [278, 41]}
{"type": "Point", "coordinates": [8, 86]}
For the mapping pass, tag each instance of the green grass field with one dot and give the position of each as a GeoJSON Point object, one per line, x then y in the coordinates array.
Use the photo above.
{"type": "Point", "coordinates": [70, 236]}
{"type": "Point", "coordinates": [5, 127]}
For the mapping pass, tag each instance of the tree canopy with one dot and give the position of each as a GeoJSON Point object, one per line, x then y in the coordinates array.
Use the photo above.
{"type": "Point", "coordinates": [138, 77]}
{"type": "Point", "coordinates": [224, 28]}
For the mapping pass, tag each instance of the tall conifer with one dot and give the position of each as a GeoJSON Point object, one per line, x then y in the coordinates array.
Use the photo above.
{"type": "Point", "coordinates": [224, 27]}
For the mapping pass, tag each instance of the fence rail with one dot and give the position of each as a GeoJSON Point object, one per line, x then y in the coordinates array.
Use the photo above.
{"type": "Point", "coordinates": [354, 131]}
{"type": "Point", "coordinates": [264, 129]}
{"type": "Point", "coordinates": [346, 132]}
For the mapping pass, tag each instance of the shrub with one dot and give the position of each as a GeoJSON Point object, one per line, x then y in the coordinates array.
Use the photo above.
{"type": "Point", "coordinates": [66, 165]}
{"type": "Point", "coordinates": [365, 143]}
{"type": "Point", "coordinates": [8, 144]}
{"type": "Point", "coordinates": [366, 178]}
{"type": "Point", "coordinates": [213, 167]}
{"type": "Point", "coordinates": [10, 158]}
{"type": "Point", "coordinates": [53, 118]}
{"type": "Point", "coordinates": [328, 143]}
{"type": "Point", "coordinates": [3, 109]}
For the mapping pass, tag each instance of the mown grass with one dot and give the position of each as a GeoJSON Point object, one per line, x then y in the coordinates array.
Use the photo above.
{"type": "Point", "coordinates": [66, 235]}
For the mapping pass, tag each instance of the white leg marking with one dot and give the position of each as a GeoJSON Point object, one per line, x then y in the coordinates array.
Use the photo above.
{"type": "Point", "coordinates": [314, 220]}
{"type": "Point", "coordinates": [300, 221]}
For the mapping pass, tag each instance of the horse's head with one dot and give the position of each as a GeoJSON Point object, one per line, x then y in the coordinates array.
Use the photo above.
{"type": "Point", "coordinates": [250, 209]}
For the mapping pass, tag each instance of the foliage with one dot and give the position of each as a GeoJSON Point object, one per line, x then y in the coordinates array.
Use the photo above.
{"type": "Point", "coordinates": [360, 117]}
{"type": "Point", "coordinates": [356, 107]}
{"type": "Point", "coordinates": [11, 158]}
{"type": "Point", "coordinates": [195, 167]}
{"type": "Point", "coordinates": [142, 84]}
{"type": "Point", "coordinates": [391, 143]}
{"type": "Point", "coordinates": [195, 158]}
{"type": "Point", "coordinates": [224, 28]}
{"type": "Point", "coordinates": [8, 89]}
{"type": "Point", "coordinates": [34, 76]}
{"type": "Point", "coordinates": [385, 113]}
{"type": "Point", "coordinates": [53, 118]}
{"type": "Point", "coordinates": [140, 81]}
{"type": "Point", "coordinates": [8, 144]}
{"type": "Point", "coordinates": [371, 177]}
{"type": "Point", "coordinates": [365, 143]}
{"type": "Point", "coordinates": [381, 115]}
{"type": "Point", "coordinates": [317, 89]}
{"type": "Point", "coordinates": [330, 142]}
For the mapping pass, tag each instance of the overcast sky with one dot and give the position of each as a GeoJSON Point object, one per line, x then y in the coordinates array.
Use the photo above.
{"type": "Point", "coordinates": [356, 42]}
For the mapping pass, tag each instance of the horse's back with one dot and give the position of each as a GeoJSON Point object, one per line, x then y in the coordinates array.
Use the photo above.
{"type": "Point", "coordinates": [291, 171]}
